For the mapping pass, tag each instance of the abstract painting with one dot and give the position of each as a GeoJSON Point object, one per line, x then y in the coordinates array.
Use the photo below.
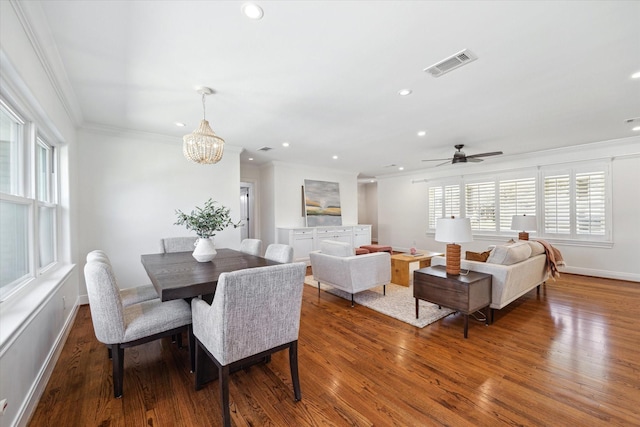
{"type": "Point", "coordinates": [322, 203]}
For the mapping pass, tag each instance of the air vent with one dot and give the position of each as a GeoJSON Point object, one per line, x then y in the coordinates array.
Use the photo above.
{"type": "Point", "coordinates": [451, 63]}
{"type": "Point", "coordinates": [632, 120]}
{"type": "Point", "coordinates": [265, 149]}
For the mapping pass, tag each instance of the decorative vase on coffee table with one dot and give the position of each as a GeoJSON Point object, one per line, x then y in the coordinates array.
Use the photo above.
{"type": "Point", "coordinates": [205, 250]}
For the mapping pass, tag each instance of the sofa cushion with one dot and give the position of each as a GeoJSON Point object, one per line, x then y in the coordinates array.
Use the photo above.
{"type": "Point", "coordinates": [332, 247]}
{"type": "Point", "coordinates": [536, 247]}
{"type": "Point", "coordinates": [477, 256]}
{"type": "Point", "coordinates": [510, 254]}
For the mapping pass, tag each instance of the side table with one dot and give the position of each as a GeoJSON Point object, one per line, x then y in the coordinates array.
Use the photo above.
{"type": "Point", "coordinates": [464, 293]}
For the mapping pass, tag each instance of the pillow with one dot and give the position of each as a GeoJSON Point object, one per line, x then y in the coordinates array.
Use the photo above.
{"type": "Point", "coordinates": [510, 254]}
{"type": "Point", "coordinates": [536, 247]}
{"type": "Point", "coordinates": [331, 247]}
{"type": "Point", "coordinates": [477, 256]}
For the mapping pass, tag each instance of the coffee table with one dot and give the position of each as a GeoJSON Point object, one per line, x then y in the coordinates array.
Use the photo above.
{"type": "Point", "coordinates": [401, 265]}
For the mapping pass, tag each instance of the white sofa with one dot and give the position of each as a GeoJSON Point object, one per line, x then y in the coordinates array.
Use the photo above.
{"type": "Point", "coordinates": [336, 264]}
{"type": "Point", "coordinates": [515, 269]}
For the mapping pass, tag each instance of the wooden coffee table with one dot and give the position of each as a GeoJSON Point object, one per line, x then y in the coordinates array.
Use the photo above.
{"type": "Point", "coordinates": [401, 263]}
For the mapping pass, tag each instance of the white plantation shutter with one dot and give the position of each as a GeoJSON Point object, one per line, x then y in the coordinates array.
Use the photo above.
{"type": "Point", "coordinates": [480, 199]}
{"type": "Point", "coordinates": [557, 204]}
{"type": "Point", "coordinates": [590, 203]}
{"type": "Point", "coordinates": [517, 197]}
{"type": "Point", "coordinates": [444, 201]}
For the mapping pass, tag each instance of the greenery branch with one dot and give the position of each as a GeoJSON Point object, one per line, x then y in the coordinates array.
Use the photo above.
{"type": "Point", "coordinates": [206, 221]}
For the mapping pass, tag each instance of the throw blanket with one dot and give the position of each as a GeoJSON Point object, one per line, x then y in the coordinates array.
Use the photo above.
{"type": "Point", "coordinates": [554, 258]}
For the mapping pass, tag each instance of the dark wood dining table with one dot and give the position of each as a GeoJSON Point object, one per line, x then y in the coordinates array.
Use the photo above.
{"type": "Point", "coordinates": [178, 275]}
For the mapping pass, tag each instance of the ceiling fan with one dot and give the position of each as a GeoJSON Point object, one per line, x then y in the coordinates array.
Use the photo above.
{"type": "Point", "coordinates": [460, 157]}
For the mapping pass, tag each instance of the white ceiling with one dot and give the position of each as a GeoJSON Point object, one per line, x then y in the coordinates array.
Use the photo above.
{"type": "Point", "coordinates": [325, 75]}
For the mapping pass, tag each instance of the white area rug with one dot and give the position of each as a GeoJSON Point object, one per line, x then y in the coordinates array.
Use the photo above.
{"type": "Point", "coordinates": [397, 303]}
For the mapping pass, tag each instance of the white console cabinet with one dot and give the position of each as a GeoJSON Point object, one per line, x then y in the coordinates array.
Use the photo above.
{"type": "Point", "coordinates": [307, 239]}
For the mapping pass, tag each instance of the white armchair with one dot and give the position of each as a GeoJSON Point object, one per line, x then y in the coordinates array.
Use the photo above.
{"type": "Point", "coordinates": [337, 265]}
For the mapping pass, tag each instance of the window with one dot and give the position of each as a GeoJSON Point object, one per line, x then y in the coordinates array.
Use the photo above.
{"type": "Point", "coordinates": [570, 203]}
{"type": "Point", "coordinates": [480, 199]}
{"type": "Point", "coordinates": [28, 202]}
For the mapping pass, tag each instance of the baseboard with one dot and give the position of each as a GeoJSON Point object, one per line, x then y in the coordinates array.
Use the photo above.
{"type": "Point", "coordinates": [40, 384]}
{"type": "Point", "coordinates": [605, 274]}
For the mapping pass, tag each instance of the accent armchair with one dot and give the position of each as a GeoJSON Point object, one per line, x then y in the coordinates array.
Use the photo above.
{"type": "Point", "coordinates": [337, 265]}
{"type": "Point", "coordinates": [120, 327]}
{"type": "Point", "coordinates": [255, 312]}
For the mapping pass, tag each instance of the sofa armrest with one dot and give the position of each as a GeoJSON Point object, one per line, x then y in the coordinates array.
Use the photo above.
{"type": "Point", "coordinates": [352, 273]}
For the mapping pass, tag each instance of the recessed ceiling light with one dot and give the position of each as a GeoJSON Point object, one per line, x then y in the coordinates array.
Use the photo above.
{"type": "Point", "coordinates": [250, 158]}
{"type": "Point", "coordinates": [285, 144]}
{"type": "Point", "coordinates": [401, 168]}
{"type": "Point", "coordinates": [636, 128]}
{"type": "Point", "coordinates": [422, 133]}
{"type": "Point", "coordinates": [373, 180]}
{"type": "Point", "coordinates": [252, 11]}
{"type": "Point", "coordinates": [335, 157]}
{"type": "Point", "coordinates": [635, 75]}
{"type": "Point", "coordinates": [180, 124]}
{"type": "Point", "coordinates": [404, 92]}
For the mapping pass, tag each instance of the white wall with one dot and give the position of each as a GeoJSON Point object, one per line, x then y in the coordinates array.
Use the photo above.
{"type": "Point", "coordinates": [131, 185]}
{"type": "Point", "coordinates": [368, 207]}
{"type": "Point", "coordinates": [402, 208]}
{"type": "Point", "coordinates": [34, 321]}
{"type": "Point", "coordinates": [287, 199]}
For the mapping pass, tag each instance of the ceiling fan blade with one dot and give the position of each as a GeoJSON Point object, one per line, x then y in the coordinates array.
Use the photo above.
{"type": "Point", "coordinates": [436, 160]}
{"type": "Point", "coordinates": [473, 160]}
{"type": "Point", "coordinates": [448, 162]}
{"type": "Point", "coordinates": [493, 153]}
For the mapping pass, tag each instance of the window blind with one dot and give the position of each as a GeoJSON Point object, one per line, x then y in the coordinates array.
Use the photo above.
{"type": "Point", "coordinates": [481, 205]}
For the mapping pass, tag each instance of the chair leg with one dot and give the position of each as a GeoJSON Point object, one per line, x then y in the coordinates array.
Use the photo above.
{"type": "Point", "coordinates": [118, 369]}
{"type": "Point", "coordinates": [384, 289]}
{"type": "Point", "coordinates": [178, 338]}
{"type": "Point", "coordinates": [198, 355]}
{"type": "Point", "coordinates": [293, 365]}
{"type": "Point", "coordinates": [192, 348]}
{"type": "Point", "coordinates": [223, 377]}
{"type": "Point", "coordinates": [352, 303]}
{"type": "Point", "coordinates": [109, 352]}
{"type": "Point", "coordinates": [318, 288]}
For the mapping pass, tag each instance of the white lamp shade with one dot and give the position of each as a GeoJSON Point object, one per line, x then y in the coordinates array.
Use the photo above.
{"type": "Point", "coordinates": [524, 223]}
{"type": "Point", "coordinates": [453, 230]}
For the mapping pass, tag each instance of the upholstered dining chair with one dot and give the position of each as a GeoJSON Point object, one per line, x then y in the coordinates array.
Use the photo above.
{"type": "Point", "coordinates": [255, 312]}
{"type": "Point", "coordinates": [279, 253]}
{"type": "Point", "coordinates": [131, 295]}
{"type": "Point", "coordinates": [251, 246]}
{"type": "Point", "coordinates": [178, 244]}
{"type": "Point", "coordinates": [120, 327]}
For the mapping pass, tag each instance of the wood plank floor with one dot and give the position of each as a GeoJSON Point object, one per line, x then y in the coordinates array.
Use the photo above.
{"type": "Point", "coordinates": [567, 357]}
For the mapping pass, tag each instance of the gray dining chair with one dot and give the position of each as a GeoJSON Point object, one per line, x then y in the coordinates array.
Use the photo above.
{"type": "Point", "coordinates": [178, 244]}
{"type": "Point", "coordinates": [121, 327]}
{"type": "Point", "coordinates": [279, 253]}
{"type": "Point", "coordinates": [251, 246]}
{"type": "Point", "coordinates": [131, 295]}
{"type": "Point", "coordinates": [255, 312]}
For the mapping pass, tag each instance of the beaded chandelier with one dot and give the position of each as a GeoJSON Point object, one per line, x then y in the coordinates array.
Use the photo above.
{"type": "Point", "coordinates": [203, 145]}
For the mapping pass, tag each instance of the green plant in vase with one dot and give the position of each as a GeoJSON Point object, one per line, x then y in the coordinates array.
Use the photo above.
{"type": "Point", "coordinates": [206, 222]}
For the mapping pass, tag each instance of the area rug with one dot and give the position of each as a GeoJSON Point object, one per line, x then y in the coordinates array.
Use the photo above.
{"type": "Point", "coordinates": [397, 303]}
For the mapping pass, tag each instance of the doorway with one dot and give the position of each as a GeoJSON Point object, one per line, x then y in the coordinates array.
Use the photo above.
{"type": "Point", "coordinates": [247, 228]}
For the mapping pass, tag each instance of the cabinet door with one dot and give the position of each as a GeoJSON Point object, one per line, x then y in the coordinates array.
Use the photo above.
{"type": "Point", "coordinates": [302, 243]}
{"type": "Point", "coordinates": [361, 236]}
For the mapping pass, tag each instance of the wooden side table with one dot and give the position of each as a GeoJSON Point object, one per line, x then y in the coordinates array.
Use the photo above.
{"type": "Point", "coordinates": [400, 265]}
{"type": "Point", "coordinates": [464, 293]}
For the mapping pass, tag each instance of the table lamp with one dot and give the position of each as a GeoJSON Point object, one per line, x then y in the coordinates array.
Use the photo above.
{"type": "Point", "coordinates": [524, 223]}
{"type": "Point", "coordinates": [452, 231]}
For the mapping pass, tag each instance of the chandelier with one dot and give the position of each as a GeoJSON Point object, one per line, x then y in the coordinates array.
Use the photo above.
{"type": "Point", "coordinates": [203, 145]}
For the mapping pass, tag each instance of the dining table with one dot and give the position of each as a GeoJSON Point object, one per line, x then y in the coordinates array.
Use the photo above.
{"type": "Point", "coordinates": [178, 275]}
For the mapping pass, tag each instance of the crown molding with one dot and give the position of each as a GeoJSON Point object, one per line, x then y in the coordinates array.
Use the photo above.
{"type": "Point", "coordinates": [36, 27]}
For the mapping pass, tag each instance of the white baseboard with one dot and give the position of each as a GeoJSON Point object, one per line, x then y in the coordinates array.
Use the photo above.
{"type": "Point", "coordinates": [40, 384]}
{"type": "Point", "coordinates": [606, 274]}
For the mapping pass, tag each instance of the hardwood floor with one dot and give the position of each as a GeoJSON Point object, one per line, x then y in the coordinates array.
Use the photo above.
{"type": "Point", "coordinates": [566, 357]}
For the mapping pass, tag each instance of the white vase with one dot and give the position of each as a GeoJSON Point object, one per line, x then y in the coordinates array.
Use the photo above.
{"type": "Point", "coordinates": [205, 250]}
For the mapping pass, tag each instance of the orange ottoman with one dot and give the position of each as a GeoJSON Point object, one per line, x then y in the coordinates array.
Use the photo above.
{"type": "Point", "coordinates": [377, 248]}
{"type": "Point", "coordinates": [361, 251]}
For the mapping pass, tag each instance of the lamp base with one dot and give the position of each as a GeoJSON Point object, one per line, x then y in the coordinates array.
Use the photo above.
{"type": "Point", "coordinates": [453, 259]}
{"type": "Point", "coordinates": [523, 235]}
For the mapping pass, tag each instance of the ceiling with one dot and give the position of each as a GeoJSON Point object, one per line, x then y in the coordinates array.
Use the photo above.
{"type": "Point", "coordinates": [325, 75]}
